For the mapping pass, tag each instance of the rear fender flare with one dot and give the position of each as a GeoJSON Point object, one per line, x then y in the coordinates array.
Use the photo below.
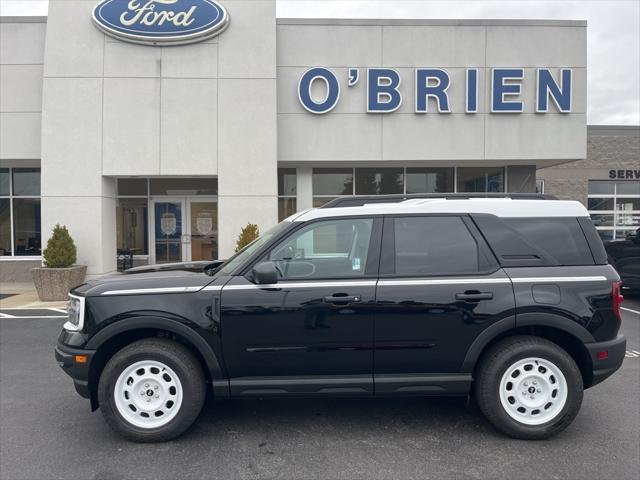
{"type": "Point", "coordinates": [533, 319]}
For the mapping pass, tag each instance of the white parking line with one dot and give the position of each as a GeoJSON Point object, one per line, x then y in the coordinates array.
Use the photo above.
{"type": "Point", "coordinates": [632, 354]}
{"type": "Point", "coordinates": [16, 317]}
{"type": "Point", "coordinates": [629, 310]}
{"type": "Point", "coordinates": [6, 315]}
{"type": "Point", "coordinates": [61, 310]}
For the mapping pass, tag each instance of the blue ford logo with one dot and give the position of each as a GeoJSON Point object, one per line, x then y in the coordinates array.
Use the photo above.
{"type": "Point", "coordinates": [161, 22]}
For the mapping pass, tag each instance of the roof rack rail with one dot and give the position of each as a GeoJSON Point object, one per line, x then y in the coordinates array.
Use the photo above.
{"type": "Point", "coordinates": [358, 201]}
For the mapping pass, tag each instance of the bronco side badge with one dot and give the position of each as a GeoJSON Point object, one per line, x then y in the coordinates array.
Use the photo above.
{"type": "Point", "coordinates": [161, 22]}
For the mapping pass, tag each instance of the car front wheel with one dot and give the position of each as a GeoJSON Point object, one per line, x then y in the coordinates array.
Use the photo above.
{"type": "Point", "coordinates": [152, 390]}
{"type": "Point", "coordinates": [528, 387]}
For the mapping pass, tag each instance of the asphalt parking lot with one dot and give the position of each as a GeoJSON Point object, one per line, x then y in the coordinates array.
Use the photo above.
{"type": "Point", "coordinates": [48, 432]}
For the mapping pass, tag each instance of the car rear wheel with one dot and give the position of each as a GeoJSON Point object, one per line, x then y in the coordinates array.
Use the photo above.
{"type": "Point", "coordinates": [152, 390]}
{"type": "Point", "coordinates": [528, 387]}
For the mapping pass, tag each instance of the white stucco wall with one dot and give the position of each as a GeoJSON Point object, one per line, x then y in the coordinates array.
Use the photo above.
{"type": "Point", "coordinates": [21, 65]}
{"type": "Point", "coordinates": [116, 109]}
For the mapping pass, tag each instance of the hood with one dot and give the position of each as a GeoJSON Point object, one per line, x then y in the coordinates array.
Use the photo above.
{"type": "Point", "coordinates": [168, 280]}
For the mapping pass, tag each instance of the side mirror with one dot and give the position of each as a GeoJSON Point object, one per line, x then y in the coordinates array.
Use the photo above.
{"type": "Point", "coordinates": [265, 273]}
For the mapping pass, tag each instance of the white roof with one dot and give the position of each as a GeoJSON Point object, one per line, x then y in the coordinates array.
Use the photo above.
{"type": "Point", "coordinates": [500, 207]}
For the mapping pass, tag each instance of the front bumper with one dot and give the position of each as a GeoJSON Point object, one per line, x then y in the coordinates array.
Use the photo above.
{"type": "Point", "coordinates": [605, 367]}
{"type": "Point", "coordinates": [79, 372]}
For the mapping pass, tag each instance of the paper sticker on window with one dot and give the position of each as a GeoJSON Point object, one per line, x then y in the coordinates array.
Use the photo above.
{"type": "Point", "coordinates": [355, 263]}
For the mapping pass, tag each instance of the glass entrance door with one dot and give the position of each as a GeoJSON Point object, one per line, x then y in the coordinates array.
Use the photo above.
{"type": "Point", "coordinates": [168, 245]}
{"type": "Point", "coordinates": [185, 229]}
{"type": "Point", "coordinates": [203, 229]}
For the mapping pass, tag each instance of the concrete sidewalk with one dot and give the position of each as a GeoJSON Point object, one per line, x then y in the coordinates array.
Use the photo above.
{"type": "Point", "coordinates": [24, 295]}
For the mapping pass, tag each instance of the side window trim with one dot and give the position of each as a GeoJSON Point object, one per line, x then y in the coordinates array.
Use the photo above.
{"type": "Point", "coordinates": [387, 254]}
{"type": "Point", "coordinates": [372, 268]}
{"type": "Point", "coordinates": [487, 257]}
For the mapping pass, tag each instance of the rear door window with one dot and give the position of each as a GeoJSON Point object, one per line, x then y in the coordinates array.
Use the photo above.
{"type": "Point", "coordinates": [434, 246]}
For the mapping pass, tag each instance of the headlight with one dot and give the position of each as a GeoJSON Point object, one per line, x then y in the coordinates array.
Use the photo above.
{"type": "Point", "coordinates": [75, 311]}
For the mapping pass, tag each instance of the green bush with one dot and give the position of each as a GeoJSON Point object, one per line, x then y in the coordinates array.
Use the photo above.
{"type": "Point", "coordinates": [60, 251]}
{"type": "Point", "coordinates": [247, 235]}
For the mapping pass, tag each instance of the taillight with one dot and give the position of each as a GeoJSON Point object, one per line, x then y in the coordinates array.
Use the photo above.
{"type": "Point", "coordinates": [617, 299]}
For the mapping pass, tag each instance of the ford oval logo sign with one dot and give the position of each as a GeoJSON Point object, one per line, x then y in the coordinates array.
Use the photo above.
{"type": "Point", "coordinates": [161, 22]}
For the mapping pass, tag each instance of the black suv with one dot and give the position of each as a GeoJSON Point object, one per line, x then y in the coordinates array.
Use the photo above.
{"type": "Point", "coordinates": [508, 299]}
{"type": "Point", "coordinates": [624, 255]}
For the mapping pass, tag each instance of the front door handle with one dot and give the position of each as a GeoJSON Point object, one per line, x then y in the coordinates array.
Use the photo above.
{"type": "Point", "coordinates": [342, 299]}
{"type": "Point", "coordinates": [474, 296]}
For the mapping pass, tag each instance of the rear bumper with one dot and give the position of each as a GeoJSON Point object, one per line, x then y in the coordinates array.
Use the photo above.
{"type": "Point", "coordinates": [604, 368]}
{"type": "Point", "coordinates": [79, 372]}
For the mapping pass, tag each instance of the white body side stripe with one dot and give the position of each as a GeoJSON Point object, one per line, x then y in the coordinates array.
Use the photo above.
{"type": "Point", "coordinates": [365, 283]}
{"type": "Point", "coordinates": [147, 291]}
{"type": "Point", "coordinates": [440, 281]}
{"type": "Point", "coordinates": [370, 283]}
{"type": "Point", "coordinates": [558, 279]}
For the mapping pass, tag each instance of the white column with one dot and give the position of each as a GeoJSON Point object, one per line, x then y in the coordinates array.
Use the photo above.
{"type": "Point", "coordinates": [304, 188]}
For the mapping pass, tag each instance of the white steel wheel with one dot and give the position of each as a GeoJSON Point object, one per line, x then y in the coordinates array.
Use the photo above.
{"type": "Point", "coordinates": [533, 391]}
{"type": "Point", "coordinates": [148, 394]}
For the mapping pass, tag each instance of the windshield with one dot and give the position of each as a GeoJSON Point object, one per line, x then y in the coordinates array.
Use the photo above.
{"type": "Point", "coordinates": [240, 257]}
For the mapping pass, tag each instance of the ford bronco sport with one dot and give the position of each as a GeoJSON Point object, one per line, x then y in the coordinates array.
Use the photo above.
{"type": "Point", "coordinates": [510, 300]}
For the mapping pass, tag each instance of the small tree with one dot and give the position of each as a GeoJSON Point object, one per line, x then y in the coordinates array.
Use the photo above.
{"type": "Point", "coordinates": [247, 235]}
{"type": "Point", "coordinates": [60, 251]}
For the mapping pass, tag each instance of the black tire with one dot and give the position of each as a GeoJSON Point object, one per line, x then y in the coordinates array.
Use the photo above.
{"type": "Point", "coordinates": [493, 365]}
{"type": "Point", "coordinates": [181, 361]}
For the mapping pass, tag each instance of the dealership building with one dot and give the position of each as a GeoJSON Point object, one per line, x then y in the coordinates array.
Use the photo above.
{"type": "Point", "coordinates": [166, 148]}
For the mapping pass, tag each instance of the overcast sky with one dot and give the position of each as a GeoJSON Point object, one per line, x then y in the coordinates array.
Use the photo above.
{"type": "Point", "coordinates": [613, 36]}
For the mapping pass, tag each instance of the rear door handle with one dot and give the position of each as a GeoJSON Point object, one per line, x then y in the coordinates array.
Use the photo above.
{"type": "Point", "coordinates": [342, 299]}
{"type": "Point", "coordinates": [474, 297]}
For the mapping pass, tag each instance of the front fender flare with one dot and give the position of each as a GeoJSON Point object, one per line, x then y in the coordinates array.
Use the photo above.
{"type": "Point", "coordinates": [219, 380]}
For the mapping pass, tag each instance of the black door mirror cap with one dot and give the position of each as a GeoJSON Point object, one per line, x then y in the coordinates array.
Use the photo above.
{"type": "Point", "coordinates": [265, 273]}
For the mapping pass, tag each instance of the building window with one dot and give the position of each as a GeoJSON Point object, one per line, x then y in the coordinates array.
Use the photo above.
{"type": "Point", "coordinates": [379, 181]}
{"type": "Point", "coordinates": [183, 186]}
{"type": "Point", "coordinates": [132, 233]}
{"type": "Point", "coordinates": [20, 223]}
{"type": "Point", "coordinates": [480, 179]}
{"type": "Point", "coordinates": [429, 180]}
{"type": "Point", "coordinates": [330, 183]}
{"type": "Point", "coordinates": [287, 191]}
{"type": "Point", "coordinates": [614, 207]}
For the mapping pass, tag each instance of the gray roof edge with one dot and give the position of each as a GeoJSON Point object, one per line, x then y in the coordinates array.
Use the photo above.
{"type": "Point", "coordinates": [431, 22]}
{"type": "Point", "coordinates": [613, 130]}
{"type": "Point", "coordinates": [23, 19]}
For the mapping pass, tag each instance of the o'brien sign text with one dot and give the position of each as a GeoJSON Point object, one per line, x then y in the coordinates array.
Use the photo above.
{"type": "Point", "coordinates": [161, 22]}
{"type": "Point", "coordinates": [384, 92]}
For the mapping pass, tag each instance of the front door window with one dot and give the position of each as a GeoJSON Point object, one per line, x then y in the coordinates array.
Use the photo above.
{"type": "Point", "coordinates": [327, 249]}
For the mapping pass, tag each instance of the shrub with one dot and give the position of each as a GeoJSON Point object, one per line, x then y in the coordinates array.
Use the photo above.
{"type": "Point", "coordinates": [60, 251]}
{"type": "Point", "coordinates": [247, 235]}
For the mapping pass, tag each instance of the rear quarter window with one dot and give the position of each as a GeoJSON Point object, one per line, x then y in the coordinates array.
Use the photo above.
{"type": "Point", "coordinates": [560, 238]}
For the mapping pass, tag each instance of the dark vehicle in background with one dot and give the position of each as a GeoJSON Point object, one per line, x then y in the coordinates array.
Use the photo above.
{"type": "Point", "coordinates": [510, 300]}
{"type": "Point", "coordinates": [624, 255]}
